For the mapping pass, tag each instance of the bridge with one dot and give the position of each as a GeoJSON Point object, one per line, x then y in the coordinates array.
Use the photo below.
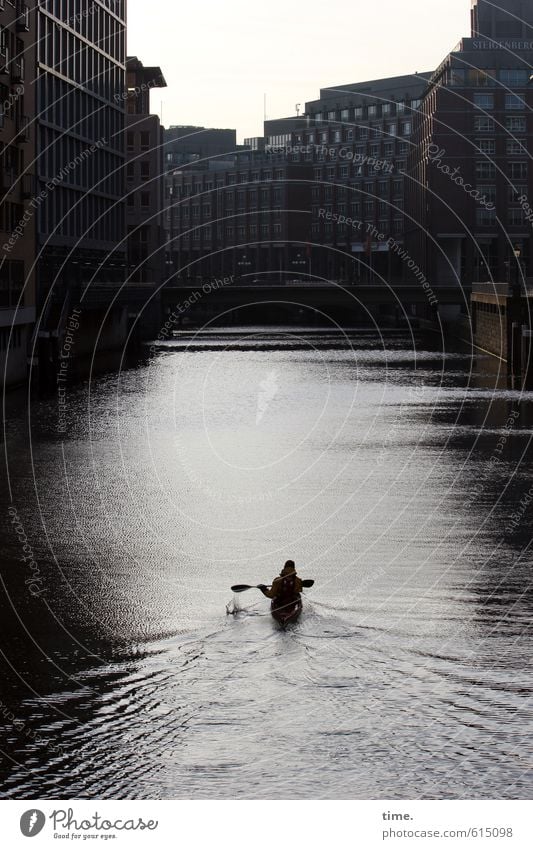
{"type": "Point", "coordinates": [279, 300]}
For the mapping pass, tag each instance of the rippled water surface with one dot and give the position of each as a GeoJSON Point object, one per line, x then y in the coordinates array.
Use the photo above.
{"type": "Point", "coordinates": [384, 467]}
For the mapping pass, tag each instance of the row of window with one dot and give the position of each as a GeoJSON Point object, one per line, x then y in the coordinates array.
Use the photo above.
{"type": "Point", "coordinates": [485, 101]}
{"type": "Point", "coordinates": [487, 170]}
{"type": "Point", "coordinates": [71, 57]}
{"type": "Point", "coordinates": [77, 215]}
{"type": "Point", "coordinates": [75, 164]}
{"type": "Point", "coordinates": [512, 123]}
{"type": "Point", "coordinates": [483, 78]}
{"type": "Point", "coordinates": [515, 217]}
{"type": "Point", "coordinates": [374, 110]}
{"type": "Point", "coordinates": [92, 22]}
{"type": "Point", "coordinates": [513, 147]}
{"type": "Point", "coordinates": [61, 104]}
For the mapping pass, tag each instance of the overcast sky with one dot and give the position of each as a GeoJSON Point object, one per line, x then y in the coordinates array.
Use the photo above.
{"type": "Point", "coordinates": [219, 57]}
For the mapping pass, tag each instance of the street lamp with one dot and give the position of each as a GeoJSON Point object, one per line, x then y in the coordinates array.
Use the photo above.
{"type": "Point", "coordinates": [517, 251]}
{"type": "Point", "coordinates": [244, 263]}
{"type": "Point", "coordinates": [298, 261]}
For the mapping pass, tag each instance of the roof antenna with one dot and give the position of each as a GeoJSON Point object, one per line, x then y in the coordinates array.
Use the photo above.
{"type": "Point", "coordinates": [298, 109]}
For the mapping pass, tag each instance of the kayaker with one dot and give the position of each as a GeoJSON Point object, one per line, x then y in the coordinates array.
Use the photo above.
{"type": "Point", "coordinates": [286, 587]}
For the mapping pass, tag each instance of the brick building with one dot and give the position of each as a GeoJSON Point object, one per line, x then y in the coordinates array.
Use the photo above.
{"type": "Point", "coordinates": [469, 170]}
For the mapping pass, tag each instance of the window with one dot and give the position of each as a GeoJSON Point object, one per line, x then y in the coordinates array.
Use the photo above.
{"type": "Point", "coordinates": [483, 101]}
{"type": "Point", "coordinates": [388, 149]}
{"type": "Point", "coordinates": [368, 207]}
{"type": "Point", "coordinates": [337, 136]}
{"type": "Point", "coordinates": [483, 125]}
{"type": "Point", "coordinates": [485, 170]}
{"type": "Point", "coordinates": [344, 171]}
{"type": "Point", "coordinates": [481, 79]}
{"type": "Point", "coordinates": [486, 146]}
{"type": "Point", "coordinates": [345, 114]}
{"type": "Point", "coordinates": [385, 109]}
{"type": "Point", "coordinates": [514, 78]}
{"type": "Point", "coordinates": [515, 124]}
{"type": "Point", "coordinates": [513, 101]}
{"type": "Point", "coordinates": [130, 170]}
{"type": "Point", "coordinates": [488, 192]}
{"type": "Point", "coordinates": [400, 108]}
{"type": "Point", "coordinates": [515, 217]}
{"type": "Point", "coordinates": [518, 170]}
{"type": "Point", "coordinates": [130, 142]}
{"type": "Point", "coordinates": [145, 141]}
{"type": "Point", "coordinates": [392, 129]}
{"type": "Point", "coordinates": [516, 192]}
{"type": "Point", "coordinates": [516, 147]}
{"type": "Point", "coordinates": [407, 128]}
{"type": "Point", "coordinates": [145, 199]}
{"type": "Point", "coordinates": [456, 77]}
{"type": "Point", "coordinates": [145, 170]}
{"type": "Point", "coordinates": [485, 217]}
{"type": "Point", "coordinates": [372, 111]}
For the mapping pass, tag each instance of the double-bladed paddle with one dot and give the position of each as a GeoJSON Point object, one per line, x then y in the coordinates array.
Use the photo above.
{"type": "Point", "coordinates": [240, 588]}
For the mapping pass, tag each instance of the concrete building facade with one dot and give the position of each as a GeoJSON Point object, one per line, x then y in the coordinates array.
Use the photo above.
{"type": "Point", "coordinates": [17, 206]}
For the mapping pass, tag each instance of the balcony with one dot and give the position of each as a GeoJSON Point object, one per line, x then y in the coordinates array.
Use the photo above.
{"type": "Point", "coordinates": [4, 61]}
{"type": "Point", "coordinates": [16, 69]}
{"type": "Point", "coordinates": [23, 128]}
{"type": "Point", "coordinates": [27, 186]}
{"type": "Point", "coordinates": [23, 17]}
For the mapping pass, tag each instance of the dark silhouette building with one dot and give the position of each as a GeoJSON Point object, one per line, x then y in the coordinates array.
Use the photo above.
{"type": "Point", "coordinates": [18, 206]}
{"type": "Point", "coordinates": [144, 176]}
{"type": "Point", "coordinates": [81, 98]}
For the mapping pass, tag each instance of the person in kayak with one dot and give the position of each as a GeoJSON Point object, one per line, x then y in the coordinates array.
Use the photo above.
{"type": "Point", "coordinates": [286, 587]}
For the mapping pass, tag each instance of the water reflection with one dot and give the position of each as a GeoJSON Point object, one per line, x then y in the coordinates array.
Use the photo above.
{"type": "Point", "coordinates": [387, 469]}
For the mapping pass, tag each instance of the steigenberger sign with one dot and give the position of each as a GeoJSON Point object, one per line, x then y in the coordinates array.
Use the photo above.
{"type": "Point", "coordinates": [502, 45]}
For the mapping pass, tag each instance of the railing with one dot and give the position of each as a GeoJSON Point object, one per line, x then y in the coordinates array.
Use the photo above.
{"type": "Point", "coordinates": [17, 70]}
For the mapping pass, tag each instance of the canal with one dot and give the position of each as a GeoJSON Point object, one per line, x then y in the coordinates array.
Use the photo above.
{"type": "Point", "coordinates": [396, 475]}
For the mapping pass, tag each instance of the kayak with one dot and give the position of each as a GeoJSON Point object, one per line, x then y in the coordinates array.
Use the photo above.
{"type": "Point", "coordinates": [287, 613]}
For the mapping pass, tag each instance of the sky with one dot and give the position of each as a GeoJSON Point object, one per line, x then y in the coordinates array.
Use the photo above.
{"type": "Point", "coordinates": [220, 57]}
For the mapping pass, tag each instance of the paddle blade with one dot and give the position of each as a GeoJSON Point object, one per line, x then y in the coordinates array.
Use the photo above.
{"type": "Point", "coordinates": [240, 588]}
{"type": "Point", "coordinates": [307, 583]}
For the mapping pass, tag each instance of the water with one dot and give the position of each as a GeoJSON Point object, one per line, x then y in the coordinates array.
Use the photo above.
{"type": "Point", "coordinates": [381, 465]}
